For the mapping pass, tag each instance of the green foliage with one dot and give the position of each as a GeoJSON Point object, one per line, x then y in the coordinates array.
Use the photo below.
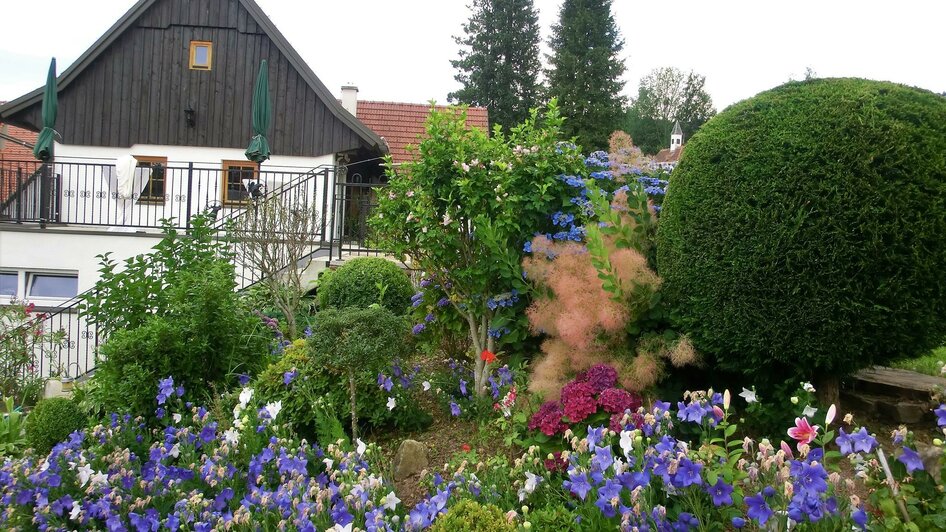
{"type": "Point", "coordinates": [804, 230]}
{"type": "Point", "coordinates": [12, 429]}
{"type": "Point", "coordinates": [471, 516]}
{"type": "Point", "coordinates": [357, 344]}
{"type": "Point", "coordinates": [930, 364]}
{"type": "Point", "coordinates": [364, 281]}
{"type": "Point", "coordinates": [127, 298]}
{"type": "Point", "coordinates": [668, 95]}
{"type": "Point", "coordinates": [464, 207]}
{"type": "Point", "coordinates": [24, 343]}
{"type": "Point", "coordinates": [204, 335]}
{"type": "Point", "coordinates": [499, 64]}
{"type": "Point", "coordinates": [52, 421]}
{"type": "Point", "coordinates": [586, 70]}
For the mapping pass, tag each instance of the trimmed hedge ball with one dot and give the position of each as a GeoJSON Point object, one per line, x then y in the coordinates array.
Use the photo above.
{"type": "Point", "coordinates": [356, 284]}
{"type": "Point", "coordinates": [804, 230]}
{"type": "Point", "coordinates": [51, 422]}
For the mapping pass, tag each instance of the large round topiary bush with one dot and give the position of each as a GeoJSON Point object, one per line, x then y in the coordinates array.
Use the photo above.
{"type": "Point", "coordinates": [804, 230]}
{"type": "Point", "coordinates": [358, 282]}
{"type": "Point", "coordinates": [52, 421]}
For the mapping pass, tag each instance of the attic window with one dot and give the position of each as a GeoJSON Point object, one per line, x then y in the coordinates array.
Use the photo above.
{"type": "Point", "coordinates": [201, 55]}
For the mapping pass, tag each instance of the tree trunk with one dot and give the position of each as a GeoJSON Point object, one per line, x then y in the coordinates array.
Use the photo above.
{"type": "Point", "coordinates": [354, 410]}
{"type": "Point", "coordinates": [828, 391]}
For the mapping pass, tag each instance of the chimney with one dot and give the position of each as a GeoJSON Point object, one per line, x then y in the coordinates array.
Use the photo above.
{"type": "Point", "coordinates": [350, 99]}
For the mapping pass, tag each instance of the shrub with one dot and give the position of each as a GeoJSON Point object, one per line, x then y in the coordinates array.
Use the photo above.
{"type": "Point", "coordinates": [471, 516]}
{"type": "Point", "coordinates": [12, 433]}
{"type": "Point", "coordinates": [359, 283]}
{"type": "Point", "coordinates": [205, 336]}
{"type": "Point", "coordinates": [52, 421]}
{"type": "Point", "coordinates": [353, 341]}
{"type": "Point", "coordinates": [804, 230]}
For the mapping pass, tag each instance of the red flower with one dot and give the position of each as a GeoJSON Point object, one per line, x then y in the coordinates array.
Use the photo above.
{"type": "Point", "coordinates": [488, 356]}
{"type": "Point", "coordinates": [466, 447]}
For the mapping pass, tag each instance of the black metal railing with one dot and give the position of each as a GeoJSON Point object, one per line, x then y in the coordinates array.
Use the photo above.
{"type": "Point", "coordinates": [353, 204]}
{"type": "Point", "coordinates": [340, 230]}
{"type": "Point", "coordinates": [91, 193]}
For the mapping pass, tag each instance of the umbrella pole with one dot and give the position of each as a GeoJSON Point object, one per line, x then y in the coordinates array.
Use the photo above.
{"type": "Point", "coordinates": [45, 189]}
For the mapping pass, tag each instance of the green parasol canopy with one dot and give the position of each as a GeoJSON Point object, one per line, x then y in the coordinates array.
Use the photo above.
{"type": "Point", "coordinates": [258, 149]}
{"type": "Point", "coordinates": [44, 143]}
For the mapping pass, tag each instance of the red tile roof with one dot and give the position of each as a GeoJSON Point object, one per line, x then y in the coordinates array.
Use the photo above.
{"type": "Point", "coordinates": [402, 124]}
{"type": "Point", "coordinates": [13, 153]}
{"type": "Point", "coordinates": [667, 156]}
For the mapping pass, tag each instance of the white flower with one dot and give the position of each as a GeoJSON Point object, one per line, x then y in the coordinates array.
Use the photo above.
{"type": "Point", "coordinates": [794, 400]}
{"type": "Point", "coordinates": [84, 473]}
{"type": "Point", "coordinates": [361, 447]}
{"type": "Point", "coordinates": [627, 442]}
{"type": "Point", "coordinates": [175, 451]}
{"type": "Point", "coordinates": [328, 463]}
{"type": "Point", "coordinates": [749, 395]}
{"type": "Point", "coordinates": [176, 417]}
{"type": "Point", "coordinates": [99, 479]}
{"type": "Point", "coordinates": [245, 395]}
{"type": "Point", "coordinates": [809, 411]}
{"type": "Point", "coordinates": [340, 528]}
{"type": "Point", "coordinates": [829, 417]}
{"type": "Point", "coordinates": [391, 403]}
{"type": "Point", "coordinates": [231, 436]}
{"type": "Point", "coordinates": [426, 385]}
{"type": "Point", "coordinates": [808, 387]}
{"type": "Point", "coordinates": [727, 399]}
{"type": "Point", "coordinates": [273, 409]}
{"type": "Point", "coordinates": [76, 510]}
{"type": "Point", "coordinates": [446, 219]}
{"type": "Point", "coordinates": [390, 501]}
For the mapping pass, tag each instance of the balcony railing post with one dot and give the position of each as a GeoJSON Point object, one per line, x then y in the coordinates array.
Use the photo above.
{"type": "Point", "coordinates": [19, 195]}
{"type": "Point", "coordinates": [190, 183]}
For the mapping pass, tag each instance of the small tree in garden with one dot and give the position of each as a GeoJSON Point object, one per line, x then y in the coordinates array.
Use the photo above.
{"type": "Point", "coordinates": [23, 344]}
{"type": "Point", "coordinates": [462, 209]}
{"type": "Point", "coordinates": [276, 240]}
{"type": "Point", "coordinates": [355, 340]}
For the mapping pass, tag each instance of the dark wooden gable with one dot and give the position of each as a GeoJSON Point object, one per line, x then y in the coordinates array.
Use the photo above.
{"type": "Point", "coordinates": [134, 84]}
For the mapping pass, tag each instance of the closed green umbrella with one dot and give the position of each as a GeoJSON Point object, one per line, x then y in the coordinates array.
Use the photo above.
{"type": "Point", "coordinates": [258, 149]}
{"type": "Point", "coordinates": [44, 144]}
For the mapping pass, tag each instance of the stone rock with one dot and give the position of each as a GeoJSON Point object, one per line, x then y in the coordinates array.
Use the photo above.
{"type": "Point", "coordinates": [904, 411]}
{"type": "Point", "coordinates": [932, 459]}
{"type": "Point", "coordinates": [410, 460]}
{"type": "Point", "coordinates": [53, 389]}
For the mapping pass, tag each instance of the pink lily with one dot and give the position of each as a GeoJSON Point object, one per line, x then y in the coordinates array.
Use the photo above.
{"type": "Point", "coordinates": [803, 432]}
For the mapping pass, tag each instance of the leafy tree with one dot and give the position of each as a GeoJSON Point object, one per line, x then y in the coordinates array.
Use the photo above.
{"type": "Point", "coordinates": [499, 60]}
{"type": "Point", "coordinates": [464, 208]}
{"type": "Point", "coordinates": [668, 95]}
{"type": "Point", "coordinates": [585, 73]}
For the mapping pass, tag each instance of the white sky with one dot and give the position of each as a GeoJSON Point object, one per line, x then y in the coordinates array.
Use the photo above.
{"type": "Point", "coordinates": [400, 50]}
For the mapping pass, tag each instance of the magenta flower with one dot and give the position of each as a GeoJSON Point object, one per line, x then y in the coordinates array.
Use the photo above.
{"type": "Point", "coordinates": [803, 432]}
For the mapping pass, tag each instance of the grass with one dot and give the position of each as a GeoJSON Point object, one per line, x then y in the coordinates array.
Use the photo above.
{"type": "Point", "coordinates": [930, 364]}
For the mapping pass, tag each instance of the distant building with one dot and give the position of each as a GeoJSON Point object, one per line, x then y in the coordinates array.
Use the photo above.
{"type": "Point", "coordinates": [667, 158]}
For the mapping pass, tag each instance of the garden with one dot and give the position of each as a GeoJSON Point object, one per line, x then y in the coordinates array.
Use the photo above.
{"type": "Point", "coordinates": [580, 342]}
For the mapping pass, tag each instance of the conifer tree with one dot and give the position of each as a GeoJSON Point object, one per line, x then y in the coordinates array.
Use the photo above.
{"type": "Point", "coordinates": [585, 71]}
{"type": "Point", "coordinates": [499, 60]}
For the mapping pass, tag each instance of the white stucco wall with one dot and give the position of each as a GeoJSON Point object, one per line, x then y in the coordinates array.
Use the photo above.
{"type": "Point", "coordinates": [88, 192]}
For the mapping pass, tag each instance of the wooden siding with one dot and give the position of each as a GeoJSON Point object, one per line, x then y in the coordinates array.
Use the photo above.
{"type": "Point", "coordinates": [136, 91]}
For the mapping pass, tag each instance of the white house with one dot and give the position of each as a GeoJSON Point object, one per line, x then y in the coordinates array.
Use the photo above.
{"type": "Point", "coordinates": [153, 121]}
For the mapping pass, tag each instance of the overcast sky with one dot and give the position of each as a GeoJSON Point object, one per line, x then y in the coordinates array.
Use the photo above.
{"type": "Point", "coordinates": [400, 50]}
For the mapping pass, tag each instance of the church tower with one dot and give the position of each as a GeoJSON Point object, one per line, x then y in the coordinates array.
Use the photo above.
{"type": "Point", "coordinates": [676, 137]}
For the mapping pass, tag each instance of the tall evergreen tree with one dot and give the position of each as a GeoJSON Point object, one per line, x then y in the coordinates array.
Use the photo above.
{"type": "Point", "coordinates": [585, 73]}
{"type": "Point", "coordinates": [499, 60]}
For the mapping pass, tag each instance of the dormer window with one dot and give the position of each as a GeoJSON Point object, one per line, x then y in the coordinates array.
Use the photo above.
{"type": "Point", "coordinates": [201, 55]}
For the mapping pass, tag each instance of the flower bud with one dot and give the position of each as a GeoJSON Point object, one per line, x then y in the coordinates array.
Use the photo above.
{"type": "Point", "coordinates": [794, 400]}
